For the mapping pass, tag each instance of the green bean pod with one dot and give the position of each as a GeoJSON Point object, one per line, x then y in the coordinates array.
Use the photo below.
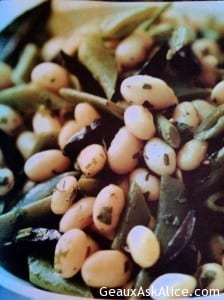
{"type": "Point", "coordinates": [212, 132]}
{"type": "Point", "coordinates": [103, 104]}
{"type": "Point", "coordinates": [136, 212]}
{"type": "Point", "coordinates": [168, 131]}
{"type": "Point", "coordinates": [26, 98]}
{"type": "Point", "coordinates": [211, 120]}
{"type": "Point", "coordinates": [28, 59]}
{"type": "Point", "coordinates": [173, 207]}
{"type": "Point", "coordinates": [100, 62]}
{"type": "Point", "coordinates": [43, 275]}
{"type": "Point", "coordinates": [142, 282]}
{"type": "Point", "coordinates": [28, 215]}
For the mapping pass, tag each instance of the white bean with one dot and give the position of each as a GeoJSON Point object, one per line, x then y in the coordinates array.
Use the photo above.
{"type": "Point", "coordinates": [25, 143]}
{"type": "Point", "coordinates": [10, 120]}
{"type": "Point", "coordinates": [133, 49]}
{"type": "Point", "coordinates": [159, 157]}
{"type": "Point", "coordinates": [108, 208]}
{"type": "Point", "coordinates": [139, 120]}
{"type": "Point", "coordinates": [204, 47]}
{"type": "Point", "coordinates": [70, 252]}
{"type": "Point", "coordinates": [68, 129]}
{"type": "Point", "coordinates": [143, 245]}
{"type": "Point", "coordinates": [64, 194]}
{"type": "Point", "coordinates": [92, 246]}
{"type": "Point", "coordinates": [45, 164]}
{"type": "Point", "coordinates": [50, 75]}
{"type": "Point", "coordinates": [79, 215]}
{"type": "Point", "coordinates": [145, 89]}
{"type": "Point", "coordinates": [186, 113]}
{"type": "Point", "coordinates": [124, 150]}
{"type": "Point", "coordinates": [213, 273]}
{"type": "Point", "coordinates": [92, 159]}
{"type": "Point", "coordinates": [148, 183]}
{"type": "Point", "coordinates": [7, 181]}
{"type": "Point", "coordinates": [217, 94]}
{"type": "Point", "coordinates": [51, 48]}
{"type": "Point", "coordinates": [176, 285]}
{"type": "Point", "coordinates": [191, 155]}
{"type": "Point", "coordinates": [85, 114]}
{"type": "Point", "coordinates": [109, 268]}
{"type": "Point", "coordinates": [203, 108]}
{"type": "Point", "coordinates": [44, 121]}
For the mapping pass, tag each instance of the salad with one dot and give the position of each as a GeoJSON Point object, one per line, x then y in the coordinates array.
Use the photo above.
{"type": "Point", "coordinates": [112, 151]}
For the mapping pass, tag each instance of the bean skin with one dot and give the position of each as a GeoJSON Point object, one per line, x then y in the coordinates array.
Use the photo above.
{"type": "Point", "coordinates": [109, 268]}
{"type": "Point", "coordinates": [107, 208]}
{"type": "Point", "coordinates": [70, 252]}
{"type": "Point", "coordinates": [45, 164]}
{"type": "Point", "coordinates": [79, 215]}
{"type": "Point", "coordinates": [64, 194]}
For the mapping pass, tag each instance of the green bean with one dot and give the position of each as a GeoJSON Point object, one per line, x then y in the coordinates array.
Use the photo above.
{"type": "Point", "coordinates": [91, 186]}
{"type": "Point", "coordinates": [125, 21]}
{"type": "Point", "coordinates": [211, 119]}
{"type": "Point", "coordinates": [26, 216]}
{"type": "Point", "coordinates": [142, 282]}
{"type": "Point", "coordinates": [212, 202]}
{"type": "Point", "coordinates": [136, 212]}
{"type": "Point", "coordinates": [167, 131]}
{"type": "Point", "coordinates": [43, 275]}
{"type": "Point", "coordinates": [26, 98]}
{"type": "Point", "coordinates": [181, 37]}
{"type": "Point", "coordinates": [100, 62]}
{"type": "Point", "coordinates": [212, 132]}
{"type": "Point", "coordinates": [99, 102]}
{"type": "Point", "coordinates": [146, 25]}
{"type": "Point", "coordinates": [172, 210]}
{"type": "Point", "coordinates": [25, 65]}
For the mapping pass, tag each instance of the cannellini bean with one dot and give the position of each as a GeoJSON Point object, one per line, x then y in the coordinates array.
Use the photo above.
{"type": "Point", "coordinates": [211, 276]}
{"type": "Point", "coordinates": [159, 157]}
{"type": "Point", "coordinates": [133, 49]}
{"type": "Point", "coordinates": [143, 246]}
{"type": "Point", "coordinates": [52, 47]}
{"type": "Point", "coordinates": [85, 113]}
{"type": "Point", "coordinates": [176, 285]}
{"type": "Point", "coordinates": [139, 121]}
{"type": "Point", "coordinates": [186, 113]}
{"type": "Point", "coordinates": [5, 76]}
{"type": "Point", "coordinates": [45, 164]}
{"type": "Point", "coordinates": [108, 208]}
{"type": "Point", "coordinates": [79, 215]}
{"type": "Point", "coordinates": [64, 194]}
{"type": "Point", "coordinates": [124, 150]}
{"type": "Point", "coordinates": [217, 94]}
{"type": "Point", "coordinates": [148, 183]}
{"type": "Point", "coordinates": [92, 159]}
{"type": "Point", "coordinates": [70, 252]}
{"type": "Point", "coordinates": [50, 75]}
{"type": "Point", "coordinates": [10, 120]}
{"type": "Point", "coordinates": [191, 155]}
{"type": "Point", "coordinates": [148, 90]}
{"type": "Point", "coordinates": [7, 181]}
{"type": "Point", "coordinates": [25, 143]}
{"type": "Point", "coordinates": [109, 268]}
{"type": "Point", "coordinates": [44, 121]}
{"type": "Point", "coordinates": [204, 47]}
{"type": "Point", "coordinates": [68, 129]}
{"type": "Point", "coordinates": [203, 108]}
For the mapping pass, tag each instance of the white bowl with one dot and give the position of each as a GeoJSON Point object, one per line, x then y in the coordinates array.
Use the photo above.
{"type": "Point", "coordinates": [60, 25]}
